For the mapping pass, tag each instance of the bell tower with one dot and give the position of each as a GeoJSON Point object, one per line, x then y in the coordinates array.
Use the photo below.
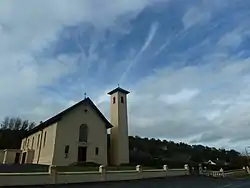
{"type": "Point", "coordinates": [119, 141]}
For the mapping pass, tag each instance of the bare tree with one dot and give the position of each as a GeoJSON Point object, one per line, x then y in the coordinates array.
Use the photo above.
{"type": "Point", "coordinates": [5, 123]}
{"type": "Point", "coordinates": [18, 123]}
{"type": "Point", "coordinates": [31, 125]}
{"type": "Point", "coordinates": [12, 123]}
{"type": "Point", "coordinates": [25, 125]}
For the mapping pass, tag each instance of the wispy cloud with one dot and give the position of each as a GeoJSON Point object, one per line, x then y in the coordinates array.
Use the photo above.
{"type": "Point", "coordinates": [186, 64]}
{"type": "Point", "coordinates": [30, 27]}
{"type": "Point", "coordinates": [183, 96]}
{"type": "Point", "coordinates": [195, 16]}
{"type": "Point", "coordinates": [195, 113]}
{"type": "Point", "coordinates": [151, 34]}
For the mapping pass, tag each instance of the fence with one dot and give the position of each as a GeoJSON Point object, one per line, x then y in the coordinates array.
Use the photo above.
{"type": "Point", "coordinates": [221, 173]}
{"type": "Point", "coordinates": [55, 177]}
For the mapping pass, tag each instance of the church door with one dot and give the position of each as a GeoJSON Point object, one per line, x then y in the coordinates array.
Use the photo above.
{"type": "Point", "coordinates": [17, 158]}
{"type": "Point", "coordinates": [82, 154]}
{"type": "Point", "coordinates": [23, 158]}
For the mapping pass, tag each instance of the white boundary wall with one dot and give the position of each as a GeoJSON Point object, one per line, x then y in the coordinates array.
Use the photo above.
{"type": "Point", "coordinates": [54, 177]}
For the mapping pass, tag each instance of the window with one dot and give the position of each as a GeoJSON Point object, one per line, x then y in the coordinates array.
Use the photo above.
{"type": "Point", "coordinates": [32, 142]}
{"type": "Point", "coordinates": [38, 139]}
{"type": "Point", "coordinates": [83, 133]}
{"type": "Point", "coordinates": [113, 100]}
{"type": "Point", "coordinates": [96, 151]}
{"type": "Point", "coordinates": [24, 143]}
{"type": "Point", "coordinates": [28, 143]}
{"type": "Point", "coordinates": [122, 99]}
{"type": "Point", "coordinates": [44, 139]}
{"type": "Point", "coordinates": [66, 151]}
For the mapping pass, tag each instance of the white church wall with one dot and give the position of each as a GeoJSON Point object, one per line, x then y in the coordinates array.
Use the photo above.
{"type": "Point", "coordinates": [41, 143]}
{"type": "Point", "coordinates": [68, 135]}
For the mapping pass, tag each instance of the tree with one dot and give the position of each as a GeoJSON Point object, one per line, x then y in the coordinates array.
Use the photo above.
{"type": "Point", "coordinates": [25, 125]}
{"type": "Point", "coordinates": [12, 130]}
{"type": "Point", "coordinates": [12, 123]}
{"type": "Point", "coordinates": [171, 153]}
{"type": "Point", "coordinates": [16, 123]}
{"type": "Point", "coordinates": [31, 125]}
{"type": "Point", "coordinates": [5, 123]}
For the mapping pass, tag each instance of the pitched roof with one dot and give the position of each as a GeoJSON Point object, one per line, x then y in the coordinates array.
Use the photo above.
{"type": "Point", "coordinates": [118, 89]}
{"type": "Point", "coordinates": [57, 117]}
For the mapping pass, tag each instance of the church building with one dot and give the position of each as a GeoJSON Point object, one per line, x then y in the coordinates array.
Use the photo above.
{"type": "Point", "coordinates": [78, 134]}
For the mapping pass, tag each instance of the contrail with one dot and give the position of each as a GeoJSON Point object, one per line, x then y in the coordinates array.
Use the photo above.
{"type": "Point", "coordinates": [148, 41]}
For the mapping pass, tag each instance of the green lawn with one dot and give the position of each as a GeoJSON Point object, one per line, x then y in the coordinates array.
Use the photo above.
{"type": "Point", "coordinates": [95, 168]}
{"type": "Point", "coordinates": [76, 168]}
{"type": "Point", "coordinates": [239, 175]}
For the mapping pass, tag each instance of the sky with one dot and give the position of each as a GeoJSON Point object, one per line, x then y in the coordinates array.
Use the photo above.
{"type": "Point", "coordinates": [185, 62]}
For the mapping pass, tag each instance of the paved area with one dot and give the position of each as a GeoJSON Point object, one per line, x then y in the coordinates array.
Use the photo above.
{"type": "Point", "coordinates": [175, 182]}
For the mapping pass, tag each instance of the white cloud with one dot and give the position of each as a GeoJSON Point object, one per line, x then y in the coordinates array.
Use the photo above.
{"type": "Point", "coordinates": [183, 96]}
{"type": "Point", "coordinates": [215, 112]}
{"type": "Point", "coordinates": [212, 114]}
{"type": "Point", "coordinates": [29, 26]}
{"type": "Point", "coordinates": [205, 103]}
{"type": "Point", "coordinates": [231, 39]}
{"type": "Point", "coordinates": [195, 15]}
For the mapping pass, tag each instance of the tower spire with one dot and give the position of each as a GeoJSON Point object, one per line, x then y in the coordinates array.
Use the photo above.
{"type": "Point", "coordinates": [119, 143]}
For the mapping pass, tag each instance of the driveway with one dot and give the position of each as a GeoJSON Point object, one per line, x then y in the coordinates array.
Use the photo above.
{"type": "Point", "coordinates": [175, 182]}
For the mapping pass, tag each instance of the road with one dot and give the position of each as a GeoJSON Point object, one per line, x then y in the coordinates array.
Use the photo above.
{"type": "Point", "coordinates": [175, 182]}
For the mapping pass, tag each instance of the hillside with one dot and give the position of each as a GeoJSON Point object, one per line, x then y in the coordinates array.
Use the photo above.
{"type": "Point", "coordinates": [152, 151]}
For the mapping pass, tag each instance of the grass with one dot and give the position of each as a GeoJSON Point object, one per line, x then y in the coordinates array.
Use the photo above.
{"type": "Point", "coordinates": [241, 175]}
{"type": "Point", "coordinates": [76, 168]}
{"type": "Point", "coordinates": [95, 168]}
{"type": "Point", "coordinates": [73, 168]}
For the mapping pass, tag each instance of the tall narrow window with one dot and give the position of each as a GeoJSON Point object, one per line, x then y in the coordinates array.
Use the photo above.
{"type": "Point", "coordinates": [28, 143]}
{"type": "Point", "coordinates": [24, 143]}
{"type": "Point", "coordinates": [66, 151]}
{"type": "Point", "coordinates": [96, 151]}
{"type": "Point", "coordinates": [122, 99]}
{"type": "Point", "coordinates": [32, 142]}
{"type": "Point", "coordinates": [83, 133]}
{"type": "Point", "coordinates": [38, 140]}
{"type": "Point", "coordinates": [44, 139]}
{"type": "Point", "coordinates": [113, 100]}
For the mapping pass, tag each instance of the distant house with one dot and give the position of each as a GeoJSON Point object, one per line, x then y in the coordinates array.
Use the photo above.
{"type": "Point", "coordinates": [217, 162]}
{"type": "Point", "coordinates": [77, 134]}
{"type": "Point", "coordinates": [210, 162]}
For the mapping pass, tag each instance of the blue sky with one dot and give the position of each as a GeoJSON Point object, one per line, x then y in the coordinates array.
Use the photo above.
{"type": "Point", "coordinates": [186, 63]}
